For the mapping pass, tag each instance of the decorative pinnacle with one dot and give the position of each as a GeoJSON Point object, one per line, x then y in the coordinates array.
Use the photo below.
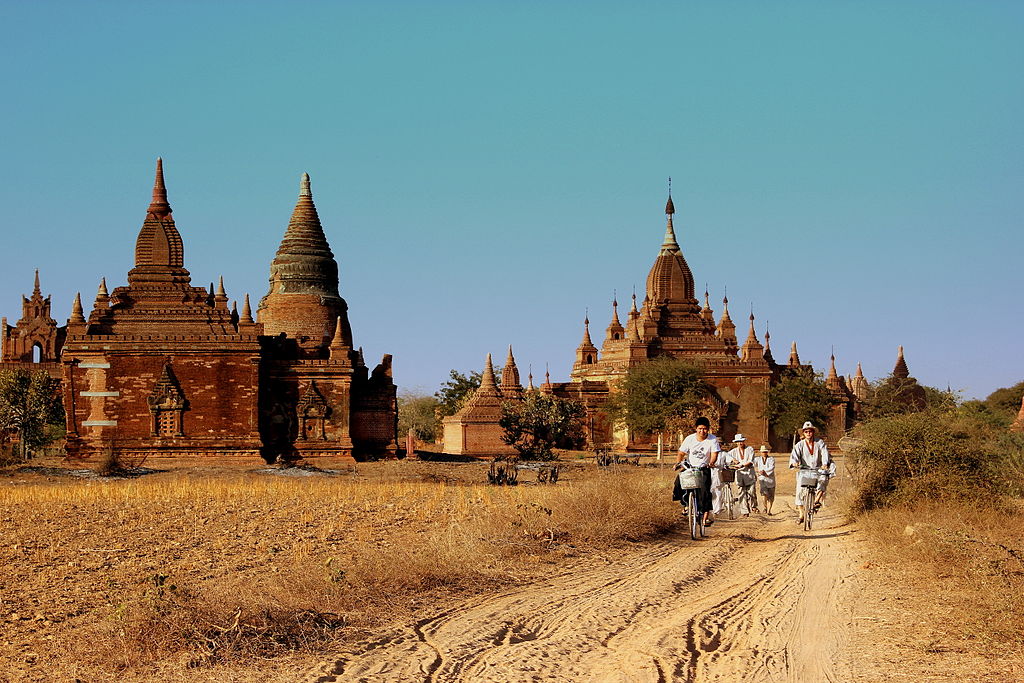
{"type": "Point", "coordinates": [487, 380]}
{"type": "Point", "coordinates": [159, 206]}
{"type": "Point", "coordinates": [77, 314]}
{"type": "Point", "coordinates": [220, 288]}
{"type": "Point", "coordinates": [338, 341]}
{"type": "Point", "coordinates": [35, 290]}
{"type": "Point", "coordinates": [246, 310]}
{"type": "Point", "coordinates": [102, 291]}
{"type": "Point", "coordinates": [304, 189]}
{"type": "Point", "coordinates": [670, 208]}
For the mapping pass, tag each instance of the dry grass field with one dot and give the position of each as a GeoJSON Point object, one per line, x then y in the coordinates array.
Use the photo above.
{"type": "Point", "coordinates": [238, 573]}
{"type": "Point", "coordinates": [217, 572]}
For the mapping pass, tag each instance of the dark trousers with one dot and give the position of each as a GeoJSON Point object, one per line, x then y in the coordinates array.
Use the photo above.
{"type": "Point", "coordinates": [703, 493]}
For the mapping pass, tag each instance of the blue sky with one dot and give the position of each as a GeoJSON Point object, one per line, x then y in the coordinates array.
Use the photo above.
{"type": "Point", "coordinates": [488, 171]}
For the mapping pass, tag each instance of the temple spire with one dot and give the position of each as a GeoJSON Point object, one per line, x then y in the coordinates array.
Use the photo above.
{"type": "Point", "coordinates": [487, 380]}
{"type": "Point", "coordinates": [35, 290]}
{"type": "Point", "coordinates": [77, 313]}
{"type": "Point", "coordinates": [768, 345]}
{"type": "Point", "coordinates": [901, 370]}
{"type": "Point", "coordinates": [510, 385]}
{"type": "Point", "coordinates": [159, 206]}
{"type": "Point", "coordinates": [794, 357]}
{"type": "Point", "coordinates": [246, 310]}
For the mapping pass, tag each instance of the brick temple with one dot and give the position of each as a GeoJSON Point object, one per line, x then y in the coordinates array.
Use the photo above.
{"type": "Point", "coordinates": [160, 367]}
{"type": "Point", "coordinates": [35, 341]}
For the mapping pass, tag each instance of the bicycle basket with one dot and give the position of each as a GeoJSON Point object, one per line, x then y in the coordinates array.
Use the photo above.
{"type": "Point", "coordinates": [808, 478]}
{"type": "Point", "coordinates": [745, 478]}
{"type": "Point", "coordinates": [727, 476]}
{"type": "Point", "coordinates": [691, 479]}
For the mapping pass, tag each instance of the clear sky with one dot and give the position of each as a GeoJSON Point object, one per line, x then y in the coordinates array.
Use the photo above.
{"type": "Point", "coordinates": [487, 171]}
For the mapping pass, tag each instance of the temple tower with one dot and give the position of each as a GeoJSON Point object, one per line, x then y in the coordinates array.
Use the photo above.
{"type": "Point", "coordinates": [303, 300]}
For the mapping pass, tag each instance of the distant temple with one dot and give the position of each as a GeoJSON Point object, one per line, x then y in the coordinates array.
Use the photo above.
{"type": "Point", "coordinates": [35, 341]}
{"type": "Point", "coordinates": [474, 430]}
{"type": "Point", "coordinates": [670, 322]}
{"type": "Point", "coordinates": [162, 368]}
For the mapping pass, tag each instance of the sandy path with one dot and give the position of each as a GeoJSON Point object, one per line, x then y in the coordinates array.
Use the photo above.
{"type": "Point", "coordinates": [757, 600]}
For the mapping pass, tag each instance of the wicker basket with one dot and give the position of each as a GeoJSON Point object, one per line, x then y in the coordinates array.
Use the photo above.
{"type": "Point", "coordinates": [691, 479]}
{"type": "Point", "coordinates": [727, 476]}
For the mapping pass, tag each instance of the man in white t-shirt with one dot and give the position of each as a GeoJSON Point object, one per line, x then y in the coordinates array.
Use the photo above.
{"type": "Point", "coordinates": [700, 450]}
{"type": "Point", "coordinates": [810, 452]}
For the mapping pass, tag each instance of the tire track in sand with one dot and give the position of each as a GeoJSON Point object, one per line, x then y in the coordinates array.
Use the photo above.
{"type": "Point", "coordinates": [758, 600]}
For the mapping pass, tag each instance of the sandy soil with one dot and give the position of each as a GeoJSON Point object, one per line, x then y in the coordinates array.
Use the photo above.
{"type": "Point", "coordinates": [759, 599]}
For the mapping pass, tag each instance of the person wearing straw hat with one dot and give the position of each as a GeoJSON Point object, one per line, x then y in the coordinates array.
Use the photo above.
{"type": "Point", "coordinates": [809, 452]}
{"type": "Point", "coordinates": [741, 459]}
{"type": "Point", "coordinates": [764, 466]}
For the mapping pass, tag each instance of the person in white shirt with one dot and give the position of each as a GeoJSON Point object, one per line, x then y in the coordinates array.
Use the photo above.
{"type": "Point", "coordinates": [764, 466]}
{"type": "Point", "coordinates": [720, 482]}
{"type": "Point", "coordinates": [700, 450]}
{"type": "Point", "coordinates": [741, 459]}
{"type": "Point", "coordinates": [810, 453]}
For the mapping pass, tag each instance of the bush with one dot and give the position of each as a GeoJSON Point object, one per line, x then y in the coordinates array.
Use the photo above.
{"type": "Point", "coordinates": [930, 455]}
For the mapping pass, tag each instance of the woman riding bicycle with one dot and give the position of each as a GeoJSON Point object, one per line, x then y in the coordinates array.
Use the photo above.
{"type": "Point", "coordinates": [810, 453]}
{"type": "Point", "coordinates": [700, 450]}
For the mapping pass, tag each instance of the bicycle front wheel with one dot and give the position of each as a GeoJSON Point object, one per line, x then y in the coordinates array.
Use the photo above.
{"type": "Point", "coordinates": [808, 507]}
{"type": "Point", "coordinates": [692, 508]}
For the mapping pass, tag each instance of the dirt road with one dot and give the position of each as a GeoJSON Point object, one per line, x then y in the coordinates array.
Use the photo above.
{"type": "Point", "coordinates": [759, 599]}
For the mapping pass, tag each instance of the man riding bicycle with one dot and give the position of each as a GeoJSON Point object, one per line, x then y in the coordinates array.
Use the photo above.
{"type": "Point", "coordinates": [810, 453]}
{"type": "Point", "coordinates": [700, 450]}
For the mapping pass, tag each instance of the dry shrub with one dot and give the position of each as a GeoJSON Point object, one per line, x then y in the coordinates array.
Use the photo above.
{"type": "Point", "coordinates": [935, 454]}
{"type": "Point", "coordinates": [972, 558]}
{"type": "Point", "coordinates": [457, 539]}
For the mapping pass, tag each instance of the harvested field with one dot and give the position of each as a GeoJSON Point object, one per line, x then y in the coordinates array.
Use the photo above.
{"type": "Point", "coordinates": [399, 571]}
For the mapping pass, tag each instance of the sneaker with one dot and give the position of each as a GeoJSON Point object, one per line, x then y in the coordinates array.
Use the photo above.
{"type": "Point", "coordinates": [709, 522]}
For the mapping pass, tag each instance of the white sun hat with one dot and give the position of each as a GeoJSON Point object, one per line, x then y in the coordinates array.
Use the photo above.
{"type": "Point", "coordinates": [765, 449]}
{"type": "Point", "coordinates": [738, 438]}
{"type": "Point", "coordinates": [807, 425]}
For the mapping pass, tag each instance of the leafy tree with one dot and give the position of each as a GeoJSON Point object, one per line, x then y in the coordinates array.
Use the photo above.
{"type": "Point", "coordinates": [800, 395]}
{"type": "Point", "coordinates": [31, 406]}
{"type": "Point", "coordinates": [454, 393]}
{"type": "Point", "coordinates": [538, 423]}
{"type": "Point", "coordinates": [1006, 400]}
{"type": "Point", "coordinates": [420, 414]}
{"type": "Point", "coordinates": [897, 396]}
{"type": "Point", "coordinates": [664, 394]}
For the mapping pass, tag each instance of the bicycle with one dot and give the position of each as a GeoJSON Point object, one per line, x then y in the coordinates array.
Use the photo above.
{"type": "Point", "coordinates": [690, 482]}
{"type": "Point", "coordinates": [808, 479]}
{"type": "Point", "coordinates": [746, 500]}
{"type": "Point", "coordinates": [726, 498]}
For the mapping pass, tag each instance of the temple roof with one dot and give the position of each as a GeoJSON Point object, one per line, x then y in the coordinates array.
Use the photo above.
{"type": "Point", "coordinates": [304, 259]}
{"type": "Point", "coordinates": [159, 252]}
{"type": "Point", "coordinates": [670, 279]}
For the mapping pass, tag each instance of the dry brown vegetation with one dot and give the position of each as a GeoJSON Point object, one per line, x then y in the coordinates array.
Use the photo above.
{"type": "Point", "coordinates": [193, 572]}
{"type": "Point", "coordinates": [955, 579]}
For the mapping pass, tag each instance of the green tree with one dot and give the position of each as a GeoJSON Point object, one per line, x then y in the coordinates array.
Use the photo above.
{"type": "Point", "coordinates": [664, 394]}
{"type": "Point", "coordinates": [800, 395]}
{"type": "Point", "coordinates": [420, 414]}
{"type": "Point", "coordinates": [454, 393]}
{"type": "Point", "coordinates": [539, 423]}
{"type": "Point", "coordinates": [30, 405]}
{"type": "Point", "coordinates": [1006, 400]}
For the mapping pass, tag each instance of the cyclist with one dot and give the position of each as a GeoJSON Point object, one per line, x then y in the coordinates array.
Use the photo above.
{"type": "Point", "coordinates": [764, 465]}
{"type": "Point", "coordinates": [741, 459]}
{"type": "Point", "coordinates": [700, 450]}
{"type": "Point", "coordinates": [809, 453]}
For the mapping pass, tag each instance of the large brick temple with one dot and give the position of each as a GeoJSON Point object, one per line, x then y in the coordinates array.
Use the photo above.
{"type": "Point", "coordinates": [160, 367]}
{"type": "Point", "coordinates": [671, 322]}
